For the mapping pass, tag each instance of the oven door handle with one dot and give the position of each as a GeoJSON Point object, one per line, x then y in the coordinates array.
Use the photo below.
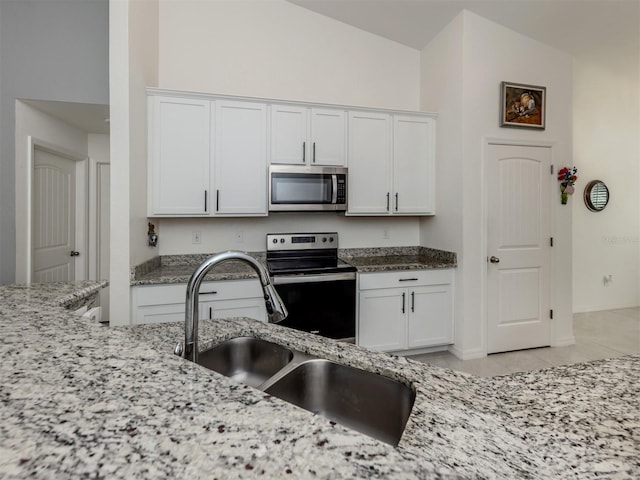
{"type": "Point", "coordinates": [326, 277]}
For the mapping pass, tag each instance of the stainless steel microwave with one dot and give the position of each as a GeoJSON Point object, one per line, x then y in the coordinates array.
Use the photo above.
{"type": "Point", "coordinates": [295, 188]}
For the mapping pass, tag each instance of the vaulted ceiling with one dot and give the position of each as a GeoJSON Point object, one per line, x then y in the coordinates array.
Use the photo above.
{"type": "Point", "coordinates": [578, 27]}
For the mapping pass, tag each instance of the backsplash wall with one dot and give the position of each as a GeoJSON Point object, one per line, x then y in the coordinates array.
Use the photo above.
{"type": "Point", "coordinates": [176, 235]}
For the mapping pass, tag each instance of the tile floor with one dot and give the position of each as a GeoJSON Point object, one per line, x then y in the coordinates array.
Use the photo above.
{"type": "Point", "coordinates": [605, 334]}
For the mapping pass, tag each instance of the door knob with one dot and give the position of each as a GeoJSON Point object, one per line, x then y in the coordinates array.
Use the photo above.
{"type": "Point", "coordinates": [494, 259]}
{"type": "Point", "coordinates": [73, 253]}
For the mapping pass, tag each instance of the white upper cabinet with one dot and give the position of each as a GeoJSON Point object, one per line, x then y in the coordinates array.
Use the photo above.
{"type": "Point", "coordinates": [240, 161]}
{"type": "Point", "coordinates": [179, 153]}
{"type": "Point", "coordinates": [308, 136]}
{"type": "Point", "coordinates": [391, 164]}
{"type": "Point", "coordinates": [328, 137]}
{"type": "Point", "coordinates": [369, 163]}
{"type": "Point", "coordinates": [289, 134]}
{"type": "Point", "coordinates": [209, 154]}
{"type": "Point", "coordinates": [413, 165]}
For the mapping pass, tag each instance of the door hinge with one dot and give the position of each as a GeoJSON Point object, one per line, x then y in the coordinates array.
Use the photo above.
{"type": "Point", "coordinates": [551, 314]}
{"type": "Point", "coordinates": [551, 169]}
{"type": "Point", "coordinates": [551, 242]}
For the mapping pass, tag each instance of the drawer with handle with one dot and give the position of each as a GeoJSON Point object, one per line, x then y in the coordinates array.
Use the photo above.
{"type": "Point", "coordinates": [404, 278]}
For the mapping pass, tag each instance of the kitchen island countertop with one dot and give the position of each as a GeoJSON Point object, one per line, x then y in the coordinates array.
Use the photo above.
{"type": "Point", "coordinates": [80, 400]}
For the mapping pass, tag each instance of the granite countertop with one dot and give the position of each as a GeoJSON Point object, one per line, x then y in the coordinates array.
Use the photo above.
{"type": "Point", "coordinates": [398, 258]}
{"type": "Point", "coordinates": [79, 400]}
{"type": "Point", "coordinates": [178, 268]}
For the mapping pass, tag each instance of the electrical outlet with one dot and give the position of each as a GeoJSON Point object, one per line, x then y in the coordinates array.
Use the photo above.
{"type": "Point", "coordinates": [239, 236]}
{"type": "Point", "coordinates": [385, 233]}
{"type": "Point", "coordinates": [196, 237]}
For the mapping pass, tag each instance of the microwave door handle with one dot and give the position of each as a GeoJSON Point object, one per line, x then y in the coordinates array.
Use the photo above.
{"type": "Point", "coordinates": [334, 184]}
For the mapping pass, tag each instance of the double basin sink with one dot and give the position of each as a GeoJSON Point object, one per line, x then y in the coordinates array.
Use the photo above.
{"type": "Point", "coordinates": [364, 401]}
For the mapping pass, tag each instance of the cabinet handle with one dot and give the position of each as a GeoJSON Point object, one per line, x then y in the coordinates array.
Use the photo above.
{"type": "Point", "coordinates": [396, 202]}
{"type": "Point", "coordinates": [212, 292]}
{"type": "Point", "coordinates": [205, 201]}
{"type": "Point", "coordinates": [403, 303]}
{"type": "Point", "coordinates": [217, 200]}
{"type": "Point", "coordinates": [304, 152]}
{"type": "Point", "coordinates": [407, 279]}
{"type": "Point", "coordinates": [210, 313]}
{"type": "Point", "coordinates": [314, 152]}
{"type": "Point", "coordinates": [388, 201]}
{"type": "Point", "coordinates": [413, 301]}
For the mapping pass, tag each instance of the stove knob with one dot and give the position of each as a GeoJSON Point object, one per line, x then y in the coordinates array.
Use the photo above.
{"type": "Point", "coordinates": [275, 240]}
{"type": "Point", "coordinates": [324, 239]}
{"type": "Point", "coordinates": [282, 240]}
{"type": "Point", "coordinates": [330, 239]}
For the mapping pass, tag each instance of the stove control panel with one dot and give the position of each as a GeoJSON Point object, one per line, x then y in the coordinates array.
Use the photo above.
{"type": "Point", "coordinates": [301, 241]}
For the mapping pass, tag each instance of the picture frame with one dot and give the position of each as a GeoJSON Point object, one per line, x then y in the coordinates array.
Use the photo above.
{"type": "Point", "coordinates": [522, 105]}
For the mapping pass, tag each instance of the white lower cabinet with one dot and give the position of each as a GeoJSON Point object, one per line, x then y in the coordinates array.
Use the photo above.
{"type": "Point", "coordinates": [405, 310]}
{"type": "Point", "coordinates": [223, 299]}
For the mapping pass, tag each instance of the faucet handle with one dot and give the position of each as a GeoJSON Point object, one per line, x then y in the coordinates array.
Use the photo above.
{"type": "Point", "coordinates": [178, 350]}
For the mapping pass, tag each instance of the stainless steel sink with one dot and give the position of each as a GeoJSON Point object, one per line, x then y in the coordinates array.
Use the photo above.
{"type": "Point", "coordinates": [246, 359]}
{"type": "Point", "coordinates": [367, 402]}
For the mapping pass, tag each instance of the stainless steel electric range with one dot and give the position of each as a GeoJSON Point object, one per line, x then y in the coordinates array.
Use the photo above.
{"type": "Point", "coordinates": [317, 287]}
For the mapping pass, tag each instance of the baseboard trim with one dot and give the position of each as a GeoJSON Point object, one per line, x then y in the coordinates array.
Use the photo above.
{"type": "Point", "coordinates": [467, 354]}
{"type": "Point", "coordinates": [564, 342]}
{"type": "Point", "coordinates": [600, 308]}
{"type": "Point", "coordinates": [419, 351]}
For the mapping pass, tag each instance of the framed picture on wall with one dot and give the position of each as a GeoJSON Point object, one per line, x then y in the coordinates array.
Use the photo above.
{"type": "Point", "coordinates": [522, 106]}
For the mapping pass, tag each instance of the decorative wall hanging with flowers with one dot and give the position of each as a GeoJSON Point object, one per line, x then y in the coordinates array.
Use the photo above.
{"type": "Point", "coordinates": [567, 177]}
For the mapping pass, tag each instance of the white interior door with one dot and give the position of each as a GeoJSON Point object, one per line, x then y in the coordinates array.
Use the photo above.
{"type": "Point", "coordinates": [518, 247]}
{"type": "Point", "coordinates": [54, 217]}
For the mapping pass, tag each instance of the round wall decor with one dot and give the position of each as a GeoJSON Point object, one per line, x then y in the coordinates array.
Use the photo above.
{"type": "Point", "coordinates": [596, 195]}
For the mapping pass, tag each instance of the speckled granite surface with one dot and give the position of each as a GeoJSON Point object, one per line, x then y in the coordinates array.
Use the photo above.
{"type": "Point", "coordinates": [65, 295]}
{"type": "Point", "coordinates": [398, 258]}
{"type": "Point", "coordinates": [80, 400]}
{"type": "Point", "coordinates": [178, 268]}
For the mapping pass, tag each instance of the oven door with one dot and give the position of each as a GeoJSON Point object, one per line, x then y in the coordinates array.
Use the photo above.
{"type": "Point", "coordinates": [322, 304]}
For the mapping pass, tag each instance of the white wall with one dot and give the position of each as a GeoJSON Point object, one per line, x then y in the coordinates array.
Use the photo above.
{"type": "Point", "coordinates": [248, 234]}
{"type": "Point", "coordinates": [47, 130]}
{"type": "Point", "coordinates": [273, 49]}
{"type": "Point", "coordinates": [133, 66]}
{"type": "Point", "coordinates": [49, 51]}
{"type": "Point", "coordinates": [99, 208]}
{"type": "Point", "coordinates": [143, 72]}
{"type": "Point", "coordinates": [490, 54]}
{"type": "Point", "coordinates": [606, 127]}
{"type": "Point", "coordinates": [442, 86]}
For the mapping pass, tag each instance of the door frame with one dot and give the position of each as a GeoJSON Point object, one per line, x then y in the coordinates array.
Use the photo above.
{"type": "Point", "coordinates": [96, 236]}
{"type": "Point", "coordinates": [25, 263]}
{"type": "Point", "coordinates": [486, 142]}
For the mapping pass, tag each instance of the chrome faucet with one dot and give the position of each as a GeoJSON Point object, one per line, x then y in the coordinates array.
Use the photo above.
{"type": "Point", "coordinates": [276, 311]}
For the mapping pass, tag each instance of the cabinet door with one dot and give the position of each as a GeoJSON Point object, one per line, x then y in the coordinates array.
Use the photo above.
{"type": "Point", "coordinates": [173, 312]}
{"type": "Point", "coordinates": [289, 134]}
{"type": "Point", "coordinates": [328, 137]}
{"type": "Point", "coordinates": [413, 165]}
{"type": "Point", "coordinates": [430, 316]}
{"type": "Point", "coordinates": [369, 163]}
{"type": "Point", "coordinates": [245, 307]}
{"type": "Point", "coordinates": [178, 156]}
{"type": "Point", "coordinates": [382, 319]}
{"type": "Point", "coordinates": [240, 165]}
